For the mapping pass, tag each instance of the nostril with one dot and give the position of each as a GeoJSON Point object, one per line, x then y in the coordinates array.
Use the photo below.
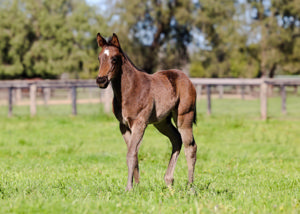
{"type": "Point", "coordinates": [101, 79]}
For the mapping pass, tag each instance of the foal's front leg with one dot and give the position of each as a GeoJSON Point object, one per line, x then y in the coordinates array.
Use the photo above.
{"type": "Point", "coordinates": [126, 133]}
{"type": "Point", "coordinates": [133, 143]}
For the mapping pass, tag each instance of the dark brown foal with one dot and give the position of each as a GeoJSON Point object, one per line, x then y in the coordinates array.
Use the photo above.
{"type": "Point", "coordinates": [141, 99]}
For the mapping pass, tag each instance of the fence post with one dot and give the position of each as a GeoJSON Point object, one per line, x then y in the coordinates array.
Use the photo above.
{"type": "Point", "coordinates": [252, 91]}
{"type": "Point", "coordinates": [46, 93]}
{"type": "Point", "coordinates": [271, 90]}
{"type": "Point", "coordinates": [208, 92]}
{"type": "Point", "coordinates": [74, 100]}
{"type": "Point", "coordinates": [242, 92]}
{"type": "Point", "coordinates": [238, 89]}
{"type": "Point", "coordinates": [198, 90]}
{"type": "Point", "coordinates": [10, 101]}
{"type": "Point", "coordinates": [283, 99]}
{"type": "Point", "coordinates": [18, 94]}
{"type": "Point", "coordinates": [32, 99]}
{"type": "Point", "coordinates": [221, 91]}
{"type": "Point", "coordinates": [263, 99]}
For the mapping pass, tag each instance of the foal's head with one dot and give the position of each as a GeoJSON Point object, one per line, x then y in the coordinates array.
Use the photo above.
{"type": "Point", "coordinates": [110, 60]}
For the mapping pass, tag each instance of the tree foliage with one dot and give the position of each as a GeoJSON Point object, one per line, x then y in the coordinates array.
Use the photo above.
{"type": "Point", "coordinates": [158, 31]}
{"type": "Point", "coordinates": [207, 38]}
{"type": "Point", "coordinates": [256, 39]}
{"type": "Point", "coordinates": [44, 38]}
{"type": "Point", "coordinates": [242, 38]}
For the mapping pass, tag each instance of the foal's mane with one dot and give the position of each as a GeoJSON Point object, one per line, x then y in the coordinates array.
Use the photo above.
{"type": "Point", "coordinates": [109, 42]}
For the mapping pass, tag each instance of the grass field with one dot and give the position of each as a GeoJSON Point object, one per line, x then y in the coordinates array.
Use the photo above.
{"type": "Point", "coordinates": [57, 163]}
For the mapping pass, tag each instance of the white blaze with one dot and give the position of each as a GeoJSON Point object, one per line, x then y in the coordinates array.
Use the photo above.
{"type": "Point", "coordinates": [106, 52]}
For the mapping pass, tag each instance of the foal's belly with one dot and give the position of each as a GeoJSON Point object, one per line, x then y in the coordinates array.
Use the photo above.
{"type": "Point", "coordinates": [160, 112]}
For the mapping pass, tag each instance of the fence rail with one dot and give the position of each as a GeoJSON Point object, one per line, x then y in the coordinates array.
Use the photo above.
{"type": "Point", "coordinates": [200, 83]}
{"type": "Point", "coordinates": [48, 83]}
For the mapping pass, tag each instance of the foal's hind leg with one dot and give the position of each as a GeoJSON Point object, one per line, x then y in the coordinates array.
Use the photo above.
{"type": "Point", "coordinates": [185, 127]}
{"type": "Point", "coordinates": [166, 128]}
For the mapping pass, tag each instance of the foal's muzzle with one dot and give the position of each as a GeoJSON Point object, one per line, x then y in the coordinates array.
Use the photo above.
{"type": "Point", "coordinates": [102, 82]}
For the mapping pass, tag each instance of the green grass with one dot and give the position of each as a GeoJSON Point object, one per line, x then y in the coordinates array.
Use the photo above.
{"type": "Point", "coordinates": [57, 163]}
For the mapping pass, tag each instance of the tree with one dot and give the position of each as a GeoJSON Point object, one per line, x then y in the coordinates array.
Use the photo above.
{"type": "Point", "coordinates": [216, 23]}
{"type": "Point", "coordinates": [48, 38]}
{"type": "Point", "coordinates": [14, 39]}
{"type": "Point", "coordinates": [158, 31]}
{"type": "Point", "coordinates": [287, 14]}
{"type": "Point", "coordinates": [275, 22]}
{"type": "Point", "coordinates": [254, 38]}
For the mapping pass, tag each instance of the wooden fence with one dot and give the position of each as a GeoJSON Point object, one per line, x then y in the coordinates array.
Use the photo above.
{"type": "Point", "coordinates": [199, 83]}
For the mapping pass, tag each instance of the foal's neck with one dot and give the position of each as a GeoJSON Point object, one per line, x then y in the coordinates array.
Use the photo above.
{"type": "Point", "coordinates": [125, 80]}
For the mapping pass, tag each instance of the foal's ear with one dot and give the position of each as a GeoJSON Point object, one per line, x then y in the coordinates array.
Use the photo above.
{"type": "Point", "coordinates": [101, 41]}
{"type": "Point", "coordinates": [115, 41]}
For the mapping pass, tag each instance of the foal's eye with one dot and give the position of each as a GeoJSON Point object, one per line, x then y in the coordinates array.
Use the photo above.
{"type": "Point", "coordinates": [114, 60]}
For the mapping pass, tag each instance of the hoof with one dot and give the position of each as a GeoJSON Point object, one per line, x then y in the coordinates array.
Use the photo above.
{"type": "Point", "coordinates": [128, 189]}
{"type": "Point", "coordinates": [169, 181]}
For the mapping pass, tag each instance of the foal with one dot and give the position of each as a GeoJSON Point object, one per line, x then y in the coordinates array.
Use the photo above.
{"type": "Point", "coordinates": [141, 99]}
